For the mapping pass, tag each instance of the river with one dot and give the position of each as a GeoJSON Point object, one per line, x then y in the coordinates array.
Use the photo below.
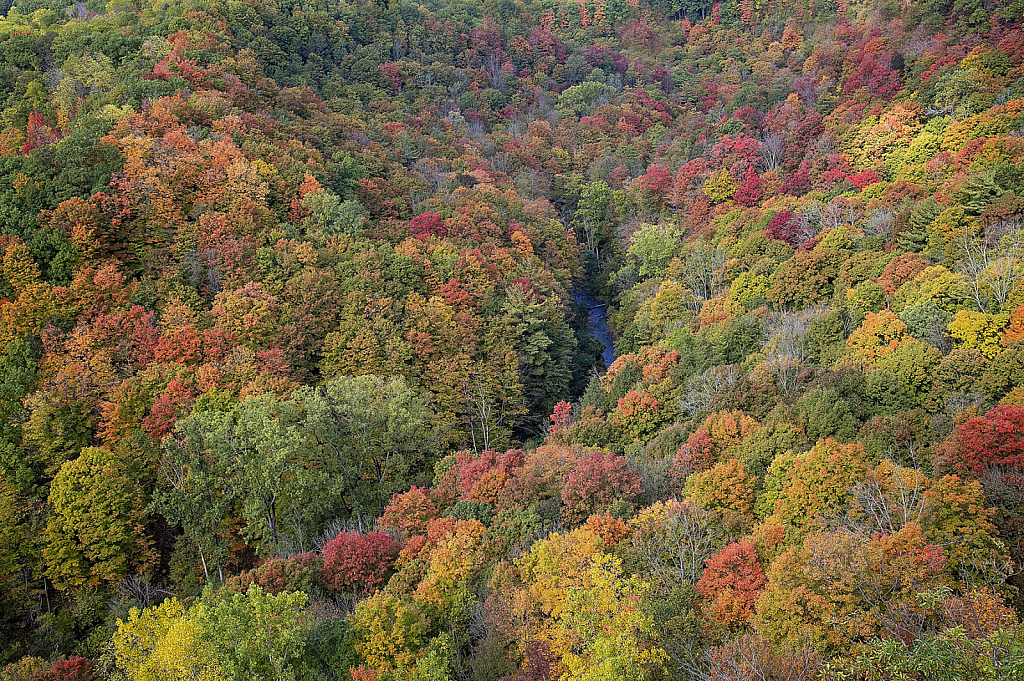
{"type": "Point", "coordinates": [597, 317]}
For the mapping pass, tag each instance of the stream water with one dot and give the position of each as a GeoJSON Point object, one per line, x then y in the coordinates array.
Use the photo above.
{"type": "Point", "coordinates": [597, 317]}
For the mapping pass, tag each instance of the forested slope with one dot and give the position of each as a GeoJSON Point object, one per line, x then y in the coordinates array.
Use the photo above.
{"type": "Point", "coordinates": [293, 384]}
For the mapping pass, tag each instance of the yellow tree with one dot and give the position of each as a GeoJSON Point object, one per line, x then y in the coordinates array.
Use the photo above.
{"type": "Point", "coordinates": [95, 531]}
{"type": "Point", "coordinates": [725, 488]}
{"type": "Point", "coordinates": [30, 302]}
{"type": "Point", "coordinates": [161, 644]}
{"type": "Point", "coordinates": [552, 568]}
{"type": "Point", "coordinates": [609, 625]}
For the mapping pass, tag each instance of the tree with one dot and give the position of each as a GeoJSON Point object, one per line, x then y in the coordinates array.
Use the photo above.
{"type": "Point", "coordinates": [879, 335]}
{"type": "Point", "coordinates": [262, 454]}
{"type": "Point", "coordinates": [409, 512]}
{"type": "Point", "coordinates": [989, 271]}
{"type": "Point", "coordinates": [455, 554]}
{"type": "Point", "coordinates": [483, 478]}
{"type": "Point", "coordinates": [749, 193]}
{"type": "Point", "coordinates": [843, 584]}
{"type": "Point", "coordinates": [359, 563]}
{"type": "Point", "coordinates": [611, 626]}
{"type": "Point", "coordinates": [595, 483]}
{"type": "Point", "coordinates": [538, 332]}
{"type": "Point", "coordinates": [28, 302]}
{"type": "Point", "coordinates": [655, 246]}
{"type": "Point", "coordinates": [591, 216]}
{"type": "Point", "coordinates": [197, 495]}
{"type": "Point", "coordinates": [995, 439]}
{"type": "Point", "coordinates": [818, 482]}
{"type": "Point", "coordinates": [163, 642]}
{"type": "Point", "coordinates": [426, 225]}
{"type": "Point", "coordinates": [977, 330]}
{"type": "Point", "coordinates": [806, 278]}
{"type": "Point", "coordinates": [81, 77]}
{"type": "Point", "coordinates": [254, 635]}
{"type": "Point", "coordinates": [95, 534]}
{"type": "Point", "coordinates": [674, 540]}
{"type": "Point", "coordinates": [18, 368]}
{"type": "Point", "coordinates": [334, 216]}
{"type": "Point", "coordinates": [957, 518]}
{"type": "Point", "coordinates": [725, 488]}
{"type": "Point", "coordinates": [390, 632]}
{"type": "Point", "coordinates": [752, 657]}
{"type": "Point", "coordinates": [732, 583]}
{"type": "Point", "coordinates": [720, 187]}
{"type": "Point", "coordinates": [371, 435]}
{"type": "Point", "coordinates": [224, 636]}
{"type": "Point", "coordinates": [701, 271]}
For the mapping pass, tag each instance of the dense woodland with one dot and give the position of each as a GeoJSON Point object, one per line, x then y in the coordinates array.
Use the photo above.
{"type": "Point", "coordinates": [294, 383]}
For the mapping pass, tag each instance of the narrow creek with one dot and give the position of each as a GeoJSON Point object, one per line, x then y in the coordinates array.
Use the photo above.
{"type": "Point", "coordinates": [597, 318]}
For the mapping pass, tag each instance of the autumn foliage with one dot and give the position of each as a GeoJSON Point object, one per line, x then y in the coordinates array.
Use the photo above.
{"type": "Point", "coordinates": [359, 562]}
{"type": "Point", "coordinates": [306, 313]}
{"type": "Point", "coordinates": [994, 440]}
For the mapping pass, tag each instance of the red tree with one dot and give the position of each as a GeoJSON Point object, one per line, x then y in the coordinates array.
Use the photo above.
{"type": "Point", "coordinates": [359, 562]}
{"type": "Point", "coordinates": [995, 439]}
{"type": "Point", "coordinates": [72, 669]}
{"type": "Point", "coordinates": [562, 417]}
{"type": "Point", "coordinates": [783, 228]}
{"type": "Point", "coordinates": [37, 133]}
{"type": "Point", "coordinates": [749, 193]}
{"type": "Point", "coordinates": [863, 178]}
{"type": "Point", "coordinates": [658, 180]}
{"type": "Point", "coordinates": [595, 483]}
{"type": "Point", "coordinates": [731, 583]}
{"type": "Point", "coordinates": [426, 225]}
{"type": "Point", "coordinates": [482, 478]}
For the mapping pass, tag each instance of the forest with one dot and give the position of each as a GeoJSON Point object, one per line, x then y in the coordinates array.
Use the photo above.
{"type": "Point", "coordinates": [301, 376]}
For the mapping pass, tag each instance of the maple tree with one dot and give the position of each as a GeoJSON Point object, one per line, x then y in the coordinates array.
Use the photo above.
{"type": "Point", "coordinates": [359, 562]}
{"type": "Point", "coordinates": [732, 582]}
{"type": "Point", "coordinates": [989, 440]}
{"type": "Point", "coordinates": [594, 483]}
{"type": "Point", "coordinates": [95, 535]}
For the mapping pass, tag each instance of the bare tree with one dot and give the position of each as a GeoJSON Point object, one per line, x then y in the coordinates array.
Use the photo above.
{"type": "Point", "coordinates": [785, 349]}
{"type": "Point", "coordinates": [701, 271]}
{"type": "Point", "coordinates": [702, 388]}
{"type": "Point", "coordinates": [676, 551]}
{"type": "Point", "coordinates": [751, 658]}
{"type": "Point", "coordinates": [807, 223]}
{"type": "Point", "coordinates": [990, 269]}
{"type": "Point", "coordinates": [891, 501]}
{"type": "Point", "coordinates": [773, 150]}
{"type": "Point", "coordinates": [494, 64]}
{"type": "Point", "coordinates": [880, 223]}
{"type": "Point", "coordinates": [140, 589]}
{"type": "Point", "coordinates": [434, 171]}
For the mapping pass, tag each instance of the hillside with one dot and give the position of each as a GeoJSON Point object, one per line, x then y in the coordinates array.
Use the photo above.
{"type": "Point", "coordinates": [303, 370]}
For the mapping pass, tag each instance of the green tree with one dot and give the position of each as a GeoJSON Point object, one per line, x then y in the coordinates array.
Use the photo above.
{"type": "Point", "coordinates": [264, 459]}
{"type": "Point", "coordinates": [194, 493]}
{"type": "Point", "coordinates": [18, 368]}
{"type": "Point", "coordinates": [82, 77]}
{"type": "Point", "coordinates": [371, 435]}
{"type": "Point", "coordinates": [95, 531]}
{"type": "Point", "coordinates": [610, 625]}
{"type": "Point", "coordinates": [334, 216]}
{"type": "Point", "coordinates": [591, 216]}
{"type": "Point", "coordinates": [654, 246]}
{"type": "Point", "coordinates": [255, 635]}
{"type": "Point", "coordinates": [544, 344]}
{"type": "Point", "coordinates": [225, 636]}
